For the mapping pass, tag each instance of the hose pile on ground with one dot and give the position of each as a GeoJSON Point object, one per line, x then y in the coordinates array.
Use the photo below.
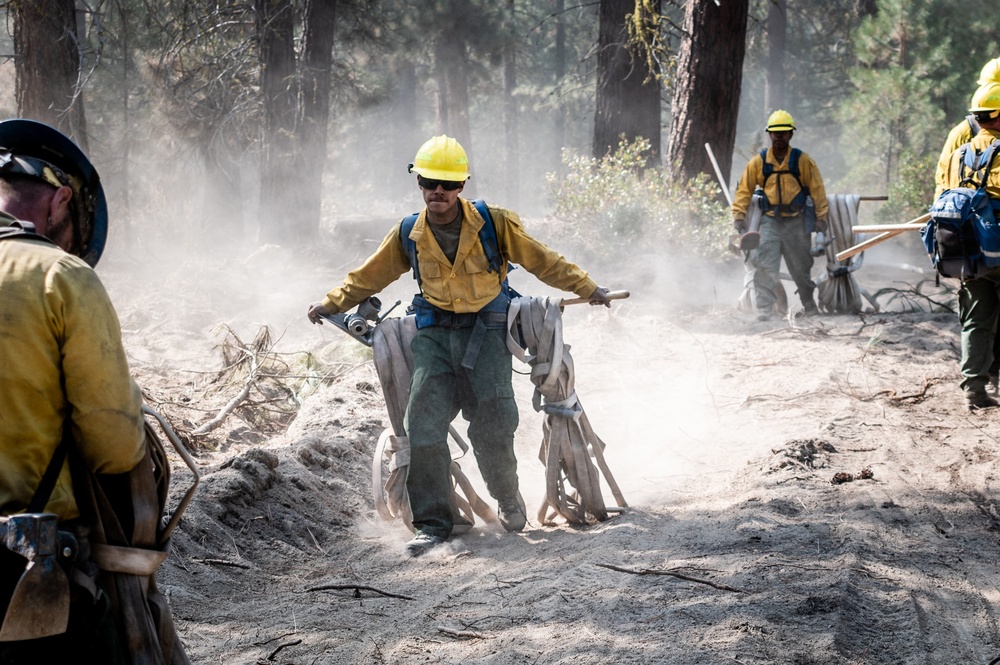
{"type": "Point", "coordinates": [394, 365]}
{"type": "Point", "coordinates": [570, 447]}
{"type": "Point", "coordinates": [839, 292]}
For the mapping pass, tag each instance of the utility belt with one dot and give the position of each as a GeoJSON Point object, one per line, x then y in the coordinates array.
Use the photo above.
{"type": "Point", "coordinates": [40, 557]}
{"type": "Point", "coordinates": [491, 317]}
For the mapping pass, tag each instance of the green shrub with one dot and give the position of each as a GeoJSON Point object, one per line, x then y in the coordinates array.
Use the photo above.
{"type": "Point", "coordinates": [619, 205]}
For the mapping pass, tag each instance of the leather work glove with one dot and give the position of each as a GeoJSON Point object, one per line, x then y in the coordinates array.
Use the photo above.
{"type": "Point", "coordinates": [821, 226]}
{"type": "Point", "coordinates": [740, 225]}
{"type": "Point", "coordinates": [317, 311]}
{"type": "Point", "coordinates": [600, 297]}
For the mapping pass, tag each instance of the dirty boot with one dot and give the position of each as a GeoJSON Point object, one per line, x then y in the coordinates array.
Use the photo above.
{"type": "Point", "coordinates": [979, 399]}
{"type": "Point", "coordinates": [809, 308]}
{"type": "Point", "coordinates": [421, 544]}
{"type": "Point", "coordinates": [512, 513]}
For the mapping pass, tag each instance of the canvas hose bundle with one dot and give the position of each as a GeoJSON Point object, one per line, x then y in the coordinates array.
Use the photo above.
{"type": "Point", "coordinates": [837, 290]}
{"type": "Point", "coordinates": [127, 536]}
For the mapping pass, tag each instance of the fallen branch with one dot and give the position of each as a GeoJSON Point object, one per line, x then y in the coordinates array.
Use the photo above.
{"type": "Point", "coordinates": [460, 633]}
{"type": "Point", "coordinates": [222, 562]}
{"type": "Point", "coordinates": [280, 647]}
{"type": "Point", "coordinates": [357, 590]}
{"type": "Point", "coordinates": [647, 571]}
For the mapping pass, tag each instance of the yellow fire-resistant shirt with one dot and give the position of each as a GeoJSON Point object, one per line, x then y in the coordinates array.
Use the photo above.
{"type": "Point", "coordinates": [980, 142]}
{"type": "Point", "coordinates": [467, 285]}
{"type": "Point", "coordinates": [61, 356]}
{"type": "Point", "coordinates": [959, 135]}
{"type": "Point", "coordinates": [781, 188]}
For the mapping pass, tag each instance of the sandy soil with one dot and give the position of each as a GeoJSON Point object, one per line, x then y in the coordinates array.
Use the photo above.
{"type": "Point", "coordinates": [726, 435]}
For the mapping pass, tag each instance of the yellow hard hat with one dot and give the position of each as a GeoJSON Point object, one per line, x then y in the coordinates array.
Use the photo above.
{"type": "Point", "coordinates": [441, 158]}
{"type": "Point", "coordinates": [781, 121]}
{"type": "Point", "coordinates": [987, 98]}
{"type": "Point", "coordinates": [991, 72]}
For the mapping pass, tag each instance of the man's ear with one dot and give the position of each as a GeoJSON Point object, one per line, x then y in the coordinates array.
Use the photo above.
{"type": "Point", "coordinates": [59, 206]}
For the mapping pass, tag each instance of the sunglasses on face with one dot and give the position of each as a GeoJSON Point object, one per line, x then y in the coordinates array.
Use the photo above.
{"type": "Point", "coordinates": [447, 185]}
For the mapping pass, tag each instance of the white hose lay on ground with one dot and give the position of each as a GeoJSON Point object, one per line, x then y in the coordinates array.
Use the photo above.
{"type": "Point", "coordinates": [838, 291]}
{"type": "Point", "coordinates": [394, 365]}
{"type": "Point", "coordinates": [572, 453]}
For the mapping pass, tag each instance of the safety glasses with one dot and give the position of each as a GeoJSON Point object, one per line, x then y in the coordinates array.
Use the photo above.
{"type": "Point", "coordinates": [447, 185]}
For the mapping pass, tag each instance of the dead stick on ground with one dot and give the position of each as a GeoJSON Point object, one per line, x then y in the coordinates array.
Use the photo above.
{"type": "Point", "coordinates": [286, 644]}
{"type": "Point", "coordinates": [356, 587]}
{"type": "Point", "coordinates": [222, 562]}
{"type": "Point", "coordinates": [647, 571]}
{"type": "Point", "coordinates": [460, 633]}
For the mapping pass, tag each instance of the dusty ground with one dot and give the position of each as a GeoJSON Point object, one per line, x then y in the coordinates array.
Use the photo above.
{"type": "Point", "coordinates": [724, 433]}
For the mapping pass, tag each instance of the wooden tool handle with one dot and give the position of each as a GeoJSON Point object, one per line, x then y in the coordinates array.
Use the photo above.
{"type": "Point", "coordinates": [612, 295]}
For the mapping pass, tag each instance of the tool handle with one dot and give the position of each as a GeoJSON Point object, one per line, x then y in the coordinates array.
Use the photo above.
{"type": "Point", "coordinates": [612, 295]}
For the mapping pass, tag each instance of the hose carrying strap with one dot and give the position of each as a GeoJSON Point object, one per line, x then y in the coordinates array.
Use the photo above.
{"type": "Point", "coordinates": [571, 451]}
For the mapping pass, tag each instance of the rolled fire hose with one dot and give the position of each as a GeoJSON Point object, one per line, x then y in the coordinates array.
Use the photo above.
{"type": "Point", "coordinates": [571, 451]}
{"type": "Point", "coordinates": [838, 291]}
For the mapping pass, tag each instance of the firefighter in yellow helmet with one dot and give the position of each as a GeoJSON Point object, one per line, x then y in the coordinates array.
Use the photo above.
{"type": "Point", "coordinates": [460, 357]}
{"type": "Point", "coordinates": [790, 181]}
{"type": "Point", "coordinates": [963, 132]}
{"type": "Point", "coordinates": [979, 298]}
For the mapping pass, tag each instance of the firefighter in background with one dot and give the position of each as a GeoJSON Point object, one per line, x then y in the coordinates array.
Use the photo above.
{"type": "Point", "coordinates": [65, 392]}
{"type": "Point", "coordinates": [790, 181]}
{"type": "Point", "coordinates": [963, 132]}
{"type": "Point", "coordinates": [979, 298]}
{"type": "Point", "coordinates": [460, 356]}
{"type": "Point", "coordinates": [959, 135]}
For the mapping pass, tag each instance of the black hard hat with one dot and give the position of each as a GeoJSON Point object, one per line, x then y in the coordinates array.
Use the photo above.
{"type": "Point", "coordinates": [32, 148]}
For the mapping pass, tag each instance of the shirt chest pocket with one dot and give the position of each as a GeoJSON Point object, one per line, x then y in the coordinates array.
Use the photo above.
{"type": "Point", "coordinates": [429, 268]}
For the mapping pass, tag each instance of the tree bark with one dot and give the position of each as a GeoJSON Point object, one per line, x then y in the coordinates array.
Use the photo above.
{"type": "Point", "coordinates": [47, 67]}
{"type": "Point", "coordinates": [279, 170]}
{"type": "Point", "coordinates": [627, 103]}
{"type": "Point", "coordinates": [707, 88]}
{"type": "Point", "coordinates": [774, 88]}
{"type": "Point", "coordinates": [317, 59]}
{"type": "Point", "coordinates": [512, 170]}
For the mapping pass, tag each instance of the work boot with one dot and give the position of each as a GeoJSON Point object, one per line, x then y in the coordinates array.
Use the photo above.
{"type": "Point", "coordinates": [512, 513]}
{"type": "Point", "coordinates": [421, 544]}
{"type": "Point", "coordinates": [979, 399]}
{"type": "Point", "coordinates": [809, 308]}
{"type": "Point", "coordinates": [764, 316]}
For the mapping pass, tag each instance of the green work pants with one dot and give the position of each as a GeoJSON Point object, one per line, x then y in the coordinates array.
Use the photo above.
{"type": "Point", "coordinates": [782, 237]}
{"type": "Point", "coordinates": [978, 309]}
{"type": "Point", "coordinates": [439, 388]}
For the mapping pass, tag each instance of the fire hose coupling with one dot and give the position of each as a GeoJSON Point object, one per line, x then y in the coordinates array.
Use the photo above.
{"type": "Point", "coordinates": [820, 244]}
{"type": "Point", "coordinates": [361, 324]}
{"type": "Point", "coordinates": [37, 536]}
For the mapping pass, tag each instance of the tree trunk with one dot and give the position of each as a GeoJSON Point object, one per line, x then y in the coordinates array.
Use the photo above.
{"type": "Point", "coordinates": [47, 66]}
{"type": "Point", "coordinates": [560, 74]}
{"type": "Point", "coordinates": [707, 88]}
{"type": "Point", "coordinates": [774, 88]}
{"type": "Point", "coordinates": [451, 63]}
{"type": "Point", "coordinates": [627, 104]}
{"type": "Point", "coordinates": [512, 170]}
{"type": "Point", "coordinates": [279, 172]}
{"type": "Point", "coordinates": [317, 59]}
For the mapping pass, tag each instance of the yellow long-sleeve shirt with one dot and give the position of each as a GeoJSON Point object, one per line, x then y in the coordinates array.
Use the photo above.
{"type": "Point", "coordinates": [959, 135]}
{"type": "Point", "coordinates": [979, 142]}
{"type": "Point", "coordinates": [780, 188]}
{"type": "Point", "coordinates": [61, 357]}
{"type": "Point", "coordinates": [465, 285]}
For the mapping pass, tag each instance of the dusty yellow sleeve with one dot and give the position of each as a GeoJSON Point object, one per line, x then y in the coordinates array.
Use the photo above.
{"type": "Point", "coordinates": [812, 179]}
{"type": "Point", "coordinates": [537, 258]}
{"type": "Point", "coordinates": [377, 272]}
{"type": "Point", "coordinates": [753, 175]}
{"type": "Point", "coordinates": [105, 403]}
{"type": "Point", "coordinates": [959, 135]}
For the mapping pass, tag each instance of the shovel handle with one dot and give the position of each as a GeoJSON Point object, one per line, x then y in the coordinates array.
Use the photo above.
{"type": "Point", "coordinates": [612, 295]}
